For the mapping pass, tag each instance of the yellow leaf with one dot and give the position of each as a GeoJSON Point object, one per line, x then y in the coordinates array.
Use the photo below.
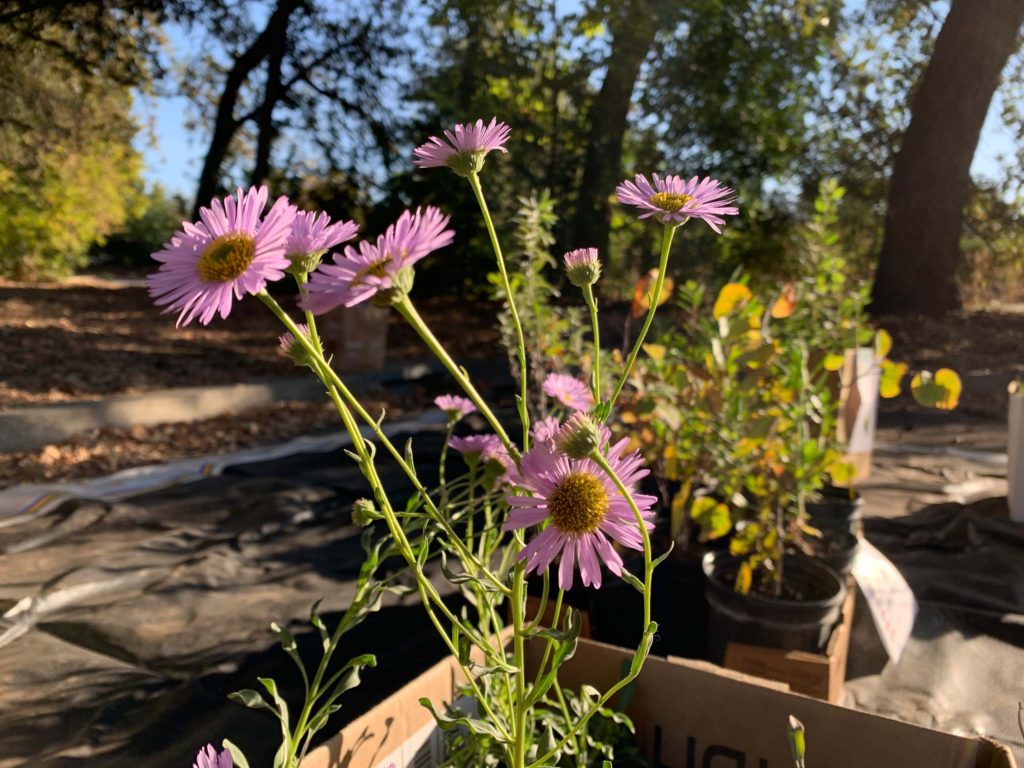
{"type": "Point", "coordinates": [744, 578]}
{"type": "Point", "coordinates": [833, 361]}
{"type": "Point", "coordinates": [786, 303]}
{"type": "Point", "coordinates": [941, 390]}
{"type": "Point", "coordinates": [842, 473]}
{"type": "Point", "coordinates": [731, 296]}
{"type": "Point", "coordinates": [655, 351]}
{"type": "Point", "coordinates": [644, 290]}
{"type": "Point", "coordinates": [883, 343]}
{"type": "Point", "coordinates": [892, 376]}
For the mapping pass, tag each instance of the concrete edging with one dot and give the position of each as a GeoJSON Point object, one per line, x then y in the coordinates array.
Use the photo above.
{"type": "Point", "coordinates": [31, 427]}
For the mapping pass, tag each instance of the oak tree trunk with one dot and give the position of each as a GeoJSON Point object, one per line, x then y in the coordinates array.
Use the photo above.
{"type": "Point", "coordinates": [920, 258]}
{"type": "Point", "coordinates": [226, 124]}
{"type": "Point", "coordinates": [632, 30]}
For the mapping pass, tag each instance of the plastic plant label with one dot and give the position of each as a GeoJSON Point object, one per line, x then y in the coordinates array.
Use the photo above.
{"type": "Point", "coordinates": [889, 597]}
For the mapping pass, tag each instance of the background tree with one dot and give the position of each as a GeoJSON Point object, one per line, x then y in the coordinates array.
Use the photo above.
{"type": "Point", "coordinates": [69, 175]}
{"type": "Point", "coordinates": [931, 177]}
{"type": "Point", "coordinates": [314, 74]}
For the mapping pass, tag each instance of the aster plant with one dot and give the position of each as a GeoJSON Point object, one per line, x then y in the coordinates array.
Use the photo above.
{"type": "Point", "coordinates": [556, 496]}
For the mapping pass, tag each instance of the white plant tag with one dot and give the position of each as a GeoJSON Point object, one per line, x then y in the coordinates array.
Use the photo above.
{"type": "Point", "coordinates": [889, 598]}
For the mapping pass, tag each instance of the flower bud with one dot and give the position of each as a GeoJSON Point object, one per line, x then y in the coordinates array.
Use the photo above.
{"type": "Point", "coordinates": [582, 266]}
{"type": "Point", "coordinates": [365, 512]}
{"type": "Point", "coordinates": [579, 437]}
{"type": "Point", "coordinates": [303, 263]}
{"type": "Point", "coordinates": [295, 349]}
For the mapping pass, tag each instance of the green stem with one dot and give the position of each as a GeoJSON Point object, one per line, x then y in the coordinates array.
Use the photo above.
{"type": "Point", "coordinates": [599, 459]}
{"type": "Point", "coordinates": [444, 458]}
{"type": "Point", "coordinates": [408, 312]}
{"type": "Point", "coordinates": [334, 386]}
{"type": "Point", "coordinates": [595, 376]}
{"type": "Point", "coordinates": [519, 661]}
{"type": "Point", "coordinates": [474, 182]}
{"type": "Point", "coordinates": [666, 245]}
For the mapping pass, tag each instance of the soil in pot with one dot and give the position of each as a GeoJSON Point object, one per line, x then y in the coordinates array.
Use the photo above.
{"type": "Point", "coordinates": [801, 620]}
{"type": "Point", "coordinates": [837, 549]}
{"type": "Point", "coordinates": [835, 509]}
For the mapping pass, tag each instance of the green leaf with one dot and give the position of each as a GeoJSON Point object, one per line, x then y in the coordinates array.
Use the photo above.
{"type": "Point", "coordinates": [237, 756]}
{"type": "Point", "coordinates": [633, 581]}
{"type": "Point", "coordinates": [251, 699]}
{"type": "Point", "coordinates": [941, 390]}
{"type": "Point", "coordinates": [316, 621]}
{"type": "Point", "coordinates": [448, 722]}
{"type": "Point", "coordinates": [566, 643]}
{"type": "Point", "coordinates": [797, 741]}
{"type": "Point", "coordinates": [640, 656]}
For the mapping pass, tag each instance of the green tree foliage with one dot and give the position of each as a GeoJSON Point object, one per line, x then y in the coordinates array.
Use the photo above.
{"type": "Point", "coordinates": [69, 175]}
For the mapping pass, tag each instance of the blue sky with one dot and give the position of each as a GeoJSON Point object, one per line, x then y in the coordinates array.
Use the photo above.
{"type": "Point", "coordinates": [174, 159]}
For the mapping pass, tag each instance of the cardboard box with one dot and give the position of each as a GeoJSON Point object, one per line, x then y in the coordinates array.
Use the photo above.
{"type": "Point", "coordinates": [687, 714]}
{"type": "Point", "coordinates": [820, 675]}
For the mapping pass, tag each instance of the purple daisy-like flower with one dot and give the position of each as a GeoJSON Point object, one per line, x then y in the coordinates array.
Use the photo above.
{"type": "Point", "coordinates": [209, 757]}
{"type": "Point", "coordinates": [569, 391]}
{"type": "Point", "coordinates": [363, 272]}
{"type": "Point", "coordinates": [455, 406]}
{"type": "Point", "coordinates": [585, 510]}
{"type": "Point", "coordinates": [231, 251]}
{"type": "Point", "coordinates": [673, 200]}
{"type": "Point", "coordinates": [479, 446]}
{"type": "Point", "coordinates": [464, 148]}
{"type": "Point", "coordinates": [546, 430]}
{"type": "Point", "coordinates": [312, 235]}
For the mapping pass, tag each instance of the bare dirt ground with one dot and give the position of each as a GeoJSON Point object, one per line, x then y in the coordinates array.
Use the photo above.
{"type": "Point", "coordinates": [88, 340]}
{"type": "Point", "coordinates": [60, 343]}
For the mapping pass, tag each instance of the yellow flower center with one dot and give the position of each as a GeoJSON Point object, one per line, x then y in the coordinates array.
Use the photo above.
{"type": "Point", "coordinates": [226, 258]}
{"type": "Point", "coordinates": [578, 504]}
{"type": "Point", "coordinates": [670, 201]}
{"type": "Point", "coordinates": [376, 269]}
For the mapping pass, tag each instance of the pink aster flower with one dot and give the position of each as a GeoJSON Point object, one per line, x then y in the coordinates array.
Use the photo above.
{"type": "Point", "coordinates": [209, 757]}
{"type": "Point", "coordinates": [363, 272]}
{"type": "Point", "coordinates": [673, 200]}
{"type": "Point", "coordinates": [569, 391]}
{"type": "Point", "coordinates": [465, 148]}
{"type": "Point", "coordinates": [546, 430]}
{"type": "Point", "coordinates": [479, 446]}
{"type": "Point", "coordinates": [585, 510]}
{"type": "Point", "coordinates": [233, 250]}
{"type": "Point", "coordinates": [454, 406]}
{"type": "Point", "coordinates": [582, 266]}
{"type": "Point", "coordinates": [312, 234]}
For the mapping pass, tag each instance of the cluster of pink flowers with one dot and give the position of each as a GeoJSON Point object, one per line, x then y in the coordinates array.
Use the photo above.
{"type": "Point", "coordinates": [238, 246]}
{"type": "Point", "coordinates": [363, 272]}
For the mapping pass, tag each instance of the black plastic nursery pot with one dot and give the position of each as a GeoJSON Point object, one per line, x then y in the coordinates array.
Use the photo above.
{"type": "Point", "coordinates": [836, 509]}
{"type": "Point", "coordinates": [677, 604]}
{"type": "Point", "coordinates": [837, 550]}
{"type": "Point", "coordinates": [752, 619]}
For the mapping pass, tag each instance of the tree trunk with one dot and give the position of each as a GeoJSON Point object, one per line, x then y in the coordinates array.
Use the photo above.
{"type": "Point", "coordinates": [920, 258]}
{"type": "Point", "coordinates": [632, 36]}
{"type": "Point", "coordinates": [225, 124]}
{"type": "Point", "coordinates": [273, 92]}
